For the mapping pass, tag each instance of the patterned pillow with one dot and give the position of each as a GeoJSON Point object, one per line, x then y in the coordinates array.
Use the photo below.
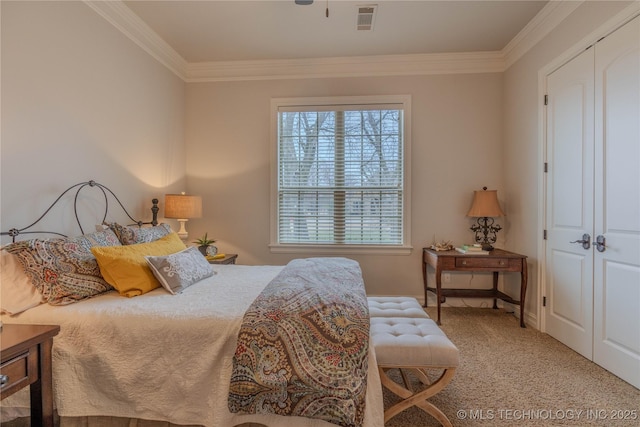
{"type": "Point", "coordinates": [178, 271]}
{"type": "Point", "coordinates": [64, 270]}
{"type": "Point", "coordinates": [130, 235]}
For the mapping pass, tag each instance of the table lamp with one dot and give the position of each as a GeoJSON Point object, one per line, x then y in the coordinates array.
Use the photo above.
{"type": "Point", "coordinates": [485, 206]}
{"type": "Point", "coordinates": [182, 207]}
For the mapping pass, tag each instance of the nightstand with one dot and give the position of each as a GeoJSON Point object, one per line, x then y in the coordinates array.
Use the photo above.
{"type": "Point", "coordinates": [26, 361]}
{"type": "Point", "coordinates": [228, 259]}
{"type": "Point", "coordinates": [497, 261]}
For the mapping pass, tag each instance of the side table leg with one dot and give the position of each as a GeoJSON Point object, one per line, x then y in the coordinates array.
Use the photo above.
{"type": "Point", "coordinates": [495, 289]}
{"type": "Point", "coordinates": [42, 390]}
{"type": "Point", "coordinates": [424, 281]}
{"type": "Point", "coordinates": [438, 290]}
{"type": "Point", "coordinates": [523, 291]}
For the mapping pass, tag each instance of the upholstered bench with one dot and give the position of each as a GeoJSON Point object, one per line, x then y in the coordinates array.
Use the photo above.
{"type": "Point", "coordinates": [395, 307]}
{"type": "Point", "coordinates": [419, 345]}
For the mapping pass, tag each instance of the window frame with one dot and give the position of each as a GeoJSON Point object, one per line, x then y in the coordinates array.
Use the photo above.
{"type": "Point", "coordinates": [403, 248]}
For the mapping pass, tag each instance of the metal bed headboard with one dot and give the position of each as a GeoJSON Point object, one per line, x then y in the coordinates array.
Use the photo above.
{"type": "Point", "coordinates": [14, 232]}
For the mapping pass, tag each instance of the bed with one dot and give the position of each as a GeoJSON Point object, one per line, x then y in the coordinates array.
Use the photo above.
{"type": "Point", "coordinates": [170, 355]}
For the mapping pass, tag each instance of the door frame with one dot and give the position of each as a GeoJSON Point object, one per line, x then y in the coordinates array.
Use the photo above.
{"type": "Point", "coordinates": [621, 18]}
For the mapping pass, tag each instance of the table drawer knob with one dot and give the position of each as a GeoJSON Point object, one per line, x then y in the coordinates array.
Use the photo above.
{"type": "Point", "coordinates": [464, 262]}
{"type": "Point", "coordinates": [501, 262]}
{"type": "Point", "coordinates": [4, 380]}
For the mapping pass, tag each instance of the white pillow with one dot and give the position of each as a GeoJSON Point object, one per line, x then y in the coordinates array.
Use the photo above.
{"type": "Point", "coordinates": [17, 293]}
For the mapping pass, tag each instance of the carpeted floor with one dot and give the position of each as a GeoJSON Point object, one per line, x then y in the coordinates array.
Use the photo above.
{"type": "Point", "coordinates": [511, 376]}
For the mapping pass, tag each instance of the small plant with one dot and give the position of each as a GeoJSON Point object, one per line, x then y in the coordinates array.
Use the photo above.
{"type": "Point", "coordinates": [204, 241]}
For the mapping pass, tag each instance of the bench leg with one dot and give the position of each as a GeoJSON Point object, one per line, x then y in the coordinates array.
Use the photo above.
{"type": "Point", "coordinates": [417, 399]}
{"type": "Point", "coordinates": [422, 376]}
{"type": "Point", "coordinates": [405, 379]}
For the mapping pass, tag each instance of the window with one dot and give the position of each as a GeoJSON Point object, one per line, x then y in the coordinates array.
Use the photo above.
{"type": "Point", "coordinates": [341, 173]}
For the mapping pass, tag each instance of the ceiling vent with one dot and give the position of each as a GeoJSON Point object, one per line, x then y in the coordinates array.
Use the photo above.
{"type": "Point", "coordinates": [366, 17]}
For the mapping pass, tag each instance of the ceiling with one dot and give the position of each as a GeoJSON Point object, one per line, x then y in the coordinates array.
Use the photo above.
{"type": "Point", "coordinates": [242, 30]}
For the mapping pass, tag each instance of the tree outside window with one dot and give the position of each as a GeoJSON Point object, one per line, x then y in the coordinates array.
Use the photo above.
{"type": "Point", "coordinates": [341, 175]}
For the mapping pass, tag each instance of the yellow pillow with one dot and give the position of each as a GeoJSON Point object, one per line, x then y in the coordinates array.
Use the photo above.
{"type": "Point", "coordinates": [125, 268]}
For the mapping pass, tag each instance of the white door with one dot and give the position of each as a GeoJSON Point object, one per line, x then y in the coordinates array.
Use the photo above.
{"type": "Point", "coordinates": [616, 344]}
{"type": "Point", "coordinates": [569, 210]}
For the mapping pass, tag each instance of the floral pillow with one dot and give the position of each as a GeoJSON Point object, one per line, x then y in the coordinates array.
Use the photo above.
{"type": "Point", "coordinates": [178, 271]}
{"type": "Point", "coordinates": [64, 270]}
{"type": "Point", "coordinates": [131, 235]}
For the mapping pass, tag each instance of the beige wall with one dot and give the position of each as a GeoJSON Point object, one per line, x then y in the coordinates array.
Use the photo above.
{"type": "Point", "coordinates": [522, 133]}
{"type": "Point", "coordinates": [81, 101]}
{"type": "Point", "coordinates": [456, 149]}
{"type": "Point", "coordinates": [468, 131]}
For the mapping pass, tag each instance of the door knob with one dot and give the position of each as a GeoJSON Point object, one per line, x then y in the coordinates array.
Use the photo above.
{"type": "Point", "coordinates": [601, 243]}
{"type": "Point", "coordinates": [585, 242]}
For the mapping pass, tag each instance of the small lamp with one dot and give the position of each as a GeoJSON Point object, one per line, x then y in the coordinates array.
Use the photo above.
{"type": "Point", "coordinates": [485, 206]}
{"type": "Point", "coordinates": [182, 207]}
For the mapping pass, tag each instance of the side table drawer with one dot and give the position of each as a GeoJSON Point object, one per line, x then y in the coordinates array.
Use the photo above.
{"type": "Point", "coordinates": [14, 374]}
{"type": "Point", "coordinates": [482, 262]}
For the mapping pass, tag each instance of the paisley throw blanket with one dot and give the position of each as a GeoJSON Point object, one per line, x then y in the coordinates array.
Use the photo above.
{"type": "Point", "coordinates": [302, 347]}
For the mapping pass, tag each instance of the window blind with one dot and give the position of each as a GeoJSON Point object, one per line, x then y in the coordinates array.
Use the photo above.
{"type": "Point", "coordinates": [340, 174]}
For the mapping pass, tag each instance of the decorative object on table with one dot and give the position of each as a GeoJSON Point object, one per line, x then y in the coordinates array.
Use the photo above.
{"type": "Point", "coordinates": [475, 249]}
{"type": "Point", "coordinates": [182, 207]}
{"type": "Point", "coordinates": [485, 207]}
{"type": "Point", "coordinates": [205, 245]}
{"type": "Point", "coordinates": [442, 246]}
{"type": "Point", "coordinates": [222, 259]}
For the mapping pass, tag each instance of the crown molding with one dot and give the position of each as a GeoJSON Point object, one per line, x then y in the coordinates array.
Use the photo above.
{"type": "Point", "coordinates": [549, 17]}
{"type": "Point", "coordinates": [121, 17]}
{"type": "Point", "coordinates": [355, 66]}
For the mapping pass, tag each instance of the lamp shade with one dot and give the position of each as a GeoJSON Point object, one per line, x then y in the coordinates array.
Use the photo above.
{"type": "Point", "coordinates": [485, 204]}
{"type": "Point", "coordinates": [182, 206]}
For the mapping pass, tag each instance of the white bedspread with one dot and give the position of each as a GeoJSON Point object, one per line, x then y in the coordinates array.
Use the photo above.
{"type": "Point", "coordinates": [160, 356]}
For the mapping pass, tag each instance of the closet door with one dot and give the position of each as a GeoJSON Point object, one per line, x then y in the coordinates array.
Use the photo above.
{"type": "Point", "coordinates": [617, 203]}
{"type": "Point", "coordinates": [569, 211]}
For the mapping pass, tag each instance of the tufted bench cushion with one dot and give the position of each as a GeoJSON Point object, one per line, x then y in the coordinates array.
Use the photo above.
{"type": "Point", "coordinates": [416, 342]}
{"type": "Point", "coordinates": [418, 345]}
{"type": "Point", "coordinates": [395, 307]}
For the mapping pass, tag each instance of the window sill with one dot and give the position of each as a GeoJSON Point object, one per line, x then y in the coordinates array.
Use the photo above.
{"type": "Point", "coordinates": [280, 248]}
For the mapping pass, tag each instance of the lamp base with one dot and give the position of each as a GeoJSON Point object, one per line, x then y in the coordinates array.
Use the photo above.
{"type": "Point", "coordinates": [182, 233]}
{"type": "Point", "coordinates": [485, 232]}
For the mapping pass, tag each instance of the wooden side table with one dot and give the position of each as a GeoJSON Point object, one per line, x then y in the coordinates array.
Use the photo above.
{"type": "Point", "coordinates": [228, 259]}
{"type": "Point", "coordinates": [496, 261]}
{"type": "Point", "coordinates": [25, 351]}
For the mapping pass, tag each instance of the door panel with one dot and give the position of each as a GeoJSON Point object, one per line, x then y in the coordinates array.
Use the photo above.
{"type": "Point", "coordinates": [617, 208]}
{"type": "Point", "coordinates": [567, 297]}
{"type": "Point", "coordinates": [569, 215]}
{"type": "Point", "coordinates": [621, 294]}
